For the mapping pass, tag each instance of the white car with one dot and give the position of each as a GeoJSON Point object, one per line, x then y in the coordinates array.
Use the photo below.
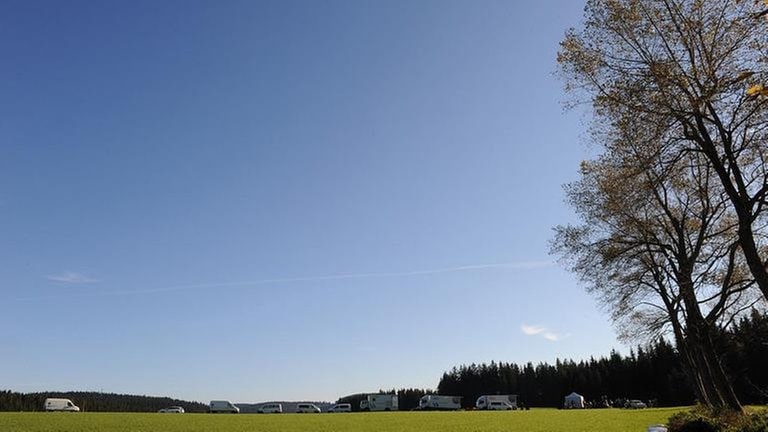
{"type": "Point", "coordinates": [173, 409]}
{"type": "Point", "coordinates": [342, 407]}
{"type": "Point", "coordinates": [500, 406]}
{"type": "Point", "coordinates": [307, 408]}
{"type": "Point", "coordinates": [634, 403]}
{"type": "Point", "coordinates": [270, 408]}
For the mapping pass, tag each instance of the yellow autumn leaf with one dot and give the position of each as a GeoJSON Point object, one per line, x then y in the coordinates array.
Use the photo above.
{"type": "Point", "coordinates": [756, 89]}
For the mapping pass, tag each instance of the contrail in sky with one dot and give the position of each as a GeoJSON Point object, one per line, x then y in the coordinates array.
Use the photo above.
{"type": "Point", "coordinates": [343, 276]}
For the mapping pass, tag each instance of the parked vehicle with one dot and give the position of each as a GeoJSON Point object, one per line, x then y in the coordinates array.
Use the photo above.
{"type": "Point", "coordinates": [634, 403]}
{"type": "Point", "coordinates": [57, 404]}
{"type": "Point", "coordinates": [342, 407]}
{"type": "Point", "coordinates": [500, 406]}
{"type": "Point", "coordinates": [438, 402]}
{"type": "Point", "coordinates": [379, 402]}
{"type": "Point", "coordinates": [172, 409]}
{"type": "Point", "coordinates": [223, 406]}
{"type": "Point", "coordinates": [484, 401]}
{"type": "Point", "coordinates": [307, 408]}
{"type": "Point", "coordinates": [270, 408]}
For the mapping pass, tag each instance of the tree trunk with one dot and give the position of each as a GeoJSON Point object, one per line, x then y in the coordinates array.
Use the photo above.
{"type": "Point", "coordinates": [717, 372]}
{"type": "Point", "coordinates": [692, 370]}
{"type": "Point", "coordinates": [689, 364]}
{"type": "Point", "coordinates": [700, 344]}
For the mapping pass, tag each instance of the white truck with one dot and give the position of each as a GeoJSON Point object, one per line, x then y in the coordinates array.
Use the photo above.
{"type": "Point", "coordinates": [438, 402]}
{"type": "Point", "coordinates": [57, 404]}
{"type": "Point", "coordinates": [223, 406]}
{"type": "Point", "coordinates": [379, 402]}
{"type": "Point", "coordinates": [497, 402]}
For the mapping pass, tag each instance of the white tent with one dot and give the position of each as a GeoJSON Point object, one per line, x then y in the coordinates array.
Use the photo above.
{"type": "Point", "coordinates": [574, 400]}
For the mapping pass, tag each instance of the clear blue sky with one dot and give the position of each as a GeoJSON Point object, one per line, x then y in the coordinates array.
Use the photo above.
{"type": "Point", "coordinates": [283, 200]}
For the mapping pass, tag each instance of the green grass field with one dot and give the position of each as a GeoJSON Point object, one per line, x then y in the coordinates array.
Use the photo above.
{"type": "Point", "coordinates": [535, 420]}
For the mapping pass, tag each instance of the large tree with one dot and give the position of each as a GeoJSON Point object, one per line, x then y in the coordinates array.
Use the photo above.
{"type": "Point", "coordinates": [683, 68]}
{"type": "Point", "coordinates": [658, 245]}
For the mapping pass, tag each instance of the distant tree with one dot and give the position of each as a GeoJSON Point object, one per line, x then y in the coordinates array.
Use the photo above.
{"type": "Point", "coordinates": [746, 351]}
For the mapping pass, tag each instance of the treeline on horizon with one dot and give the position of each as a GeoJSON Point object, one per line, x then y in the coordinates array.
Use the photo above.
{"type": "Point", "coordinates": [95, 401]}
{"type": "Point", "coordinates": [651, 373]}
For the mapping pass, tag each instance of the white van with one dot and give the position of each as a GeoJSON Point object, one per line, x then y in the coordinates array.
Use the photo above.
{"type": "Point", "coordinates": [500, 406]}
{"type": "Point", "coordinates": [223, 406]}
{"type": "Point", "coordinates": [56, 404]}
{"type": "Point", "coordinates": [307, 408]}
{"type": "Point", "coordinates": [485, 401]}
{"type": "Point", "coordinates": [270, 408]}
{"type": "Point", "coordinates": [341, 407]}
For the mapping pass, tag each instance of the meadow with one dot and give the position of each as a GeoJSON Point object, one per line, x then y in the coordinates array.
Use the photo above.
{"type": "Point", "coordinates": [535, 420]}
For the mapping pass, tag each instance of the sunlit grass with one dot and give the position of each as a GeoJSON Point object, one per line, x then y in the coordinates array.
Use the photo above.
{"type": "Point", "coordinates": [535, 420]}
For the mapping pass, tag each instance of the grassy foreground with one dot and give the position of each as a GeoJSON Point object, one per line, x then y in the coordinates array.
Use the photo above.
{"type": "Point", "coordinates": [535, 420]}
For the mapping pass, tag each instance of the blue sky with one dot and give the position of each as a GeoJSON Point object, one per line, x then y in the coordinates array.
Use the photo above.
{"type": "Point", "coordinates": [283, 200]}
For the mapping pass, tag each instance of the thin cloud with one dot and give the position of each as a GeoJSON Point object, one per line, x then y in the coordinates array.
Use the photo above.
{"type": "Point", "coordinates": [531, 330]}
{"type": "Point", "coordinates": [534, 330]}
{"type": "Point", "coordinates": [71, 277]}
{"type": "Point", "coordinates": [519, 265]}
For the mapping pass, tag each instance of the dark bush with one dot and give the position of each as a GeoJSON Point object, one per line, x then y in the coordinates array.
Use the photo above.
{"type": "Point", "coordinates": [757, 422]}
{"type": "Point", "coordinates": [693, 421]}
{"type": "Point", "coordinates": [702, 419]}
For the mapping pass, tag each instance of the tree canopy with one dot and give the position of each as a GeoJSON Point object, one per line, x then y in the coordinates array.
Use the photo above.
{"type": "Point", "coordinates": [673, 225]}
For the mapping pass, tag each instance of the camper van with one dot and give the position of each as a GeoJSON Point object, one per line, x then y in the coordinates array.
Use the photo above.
{"type": "Point", "coordinates": [437, 402]}
{"type": "Point", "coordinates": [497, 402]}
{"type": "Point", "coordinates": [379, 402]}
{"type": "Point", "coordinates": [55, 404]}
{"type": "Point", "coordinates": [222, 406]}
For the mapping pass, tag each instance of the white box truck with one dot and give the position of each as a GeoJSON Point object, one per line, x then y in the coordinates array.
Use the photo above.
{"type": "Point", "coordinates": [57, 404]}
{"type": "Point", "coordinates": [223, 406]}
{"type": "Point", "coordinates": [438, 402]}
{"type": "Point", "coordinates": [379, 402]}
{"type": "Point", "coordinates": [497, 402]}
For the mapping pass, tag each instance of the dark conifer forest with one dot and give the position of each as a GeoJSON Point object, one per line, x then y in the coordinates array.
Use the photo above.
{"type": "Point", "coordinates": [650, 373]}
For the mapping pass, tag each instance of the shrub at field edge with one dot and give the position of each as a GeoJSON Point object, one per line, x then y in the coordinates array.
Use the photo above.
{"type": "Point", "coordinates": [702, 419]}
